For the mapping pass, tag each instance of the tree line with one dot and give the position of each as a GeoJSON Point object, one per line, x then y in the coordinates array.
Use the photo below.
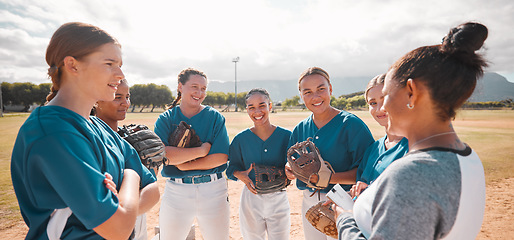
{"type": "Point", "coordinates": [160, 96]}
{"type": "Point", "coordinates": [343, 102]}
{"type": "Point", "coordinates": [142, 96]}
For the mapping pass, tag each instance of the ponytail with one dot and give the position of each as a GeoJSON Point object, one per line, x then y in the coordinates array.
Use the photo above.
{"type": "Point", "coordinates": [55, 75]}
{"type": "Point", "coordinates": [175, 102]}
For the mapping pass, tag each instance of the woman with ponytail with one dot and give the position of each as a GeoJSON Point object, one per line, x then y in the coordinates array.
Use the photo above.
{"type": "Point", "coordinates": [195, 187]}
{"type": "Point", "coordinates": [437, 191]}
{"type": "Point", "coordinates": [74, 177]}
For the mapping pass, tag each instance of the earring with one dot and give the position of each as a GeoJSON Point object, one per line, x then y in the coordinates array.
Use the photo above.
{"type": "Point", "coordinates": [410, 106]}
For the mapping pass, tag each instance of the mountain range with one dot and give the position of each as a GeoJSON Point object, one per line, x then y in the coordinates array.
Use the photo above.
{"type": "Point", "coordinates": [491, 87]}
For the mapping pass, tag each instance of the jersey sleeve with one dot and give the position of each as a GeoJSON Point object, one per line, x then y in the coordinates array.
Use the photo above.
{"type": "Point", "coordinates": [132, 161]}
{"type": "Point", "coordinates": [359, 140]}
{"type": "Point", "coordinates": [364, 164]}
{"type": "Point", "coordinates": [235, 159]}
{"type": "Point", "coordinates": [220, 141]}
{"type": "Point", "coordinates": [294, 138]}
{"type": "Point", "coordinates": [409, 204]}
{"type": "Point", "coordinates": [68, 164]}
{"type": "Point", "coordinates": [347, 227]}
{"type": "Point", "coordinates": [162, 128]}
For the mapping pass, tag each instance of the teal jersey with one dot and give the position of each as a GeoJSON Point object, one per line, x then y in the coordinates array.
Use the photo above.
{"type": "Point", "coordinates": [341, 142]}
{"type": "Point", "coordinates": [247, 148]}
{"type": "Point", "coordinates": [208, 124]}
{"type": "Point", "coordinates": [59, 160]}
{"type": "Point", "coordinates": [377, 158]}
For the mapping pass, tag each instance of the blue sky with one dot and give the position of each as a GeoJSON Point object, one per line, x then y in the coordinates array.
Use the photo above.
{"type": "Point", "coordinates": [275, 40]}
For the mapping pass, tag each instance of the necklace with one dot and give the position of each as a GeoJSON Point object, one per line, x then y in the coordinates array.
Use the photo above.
{"type": "Point", "coordinates": [430, 137]}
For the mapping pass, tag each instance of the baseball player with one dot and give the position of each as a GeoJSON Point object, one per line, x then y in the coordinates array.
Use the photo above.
{"type": "Point", "coordinates": [385, 150]}
{"type": "Point", "coordinates": [264, 144]}
{"type": "Point", "coordinates": [111, 112]}
{"type": "Point", "coordinates": [61, 153]}
{"type": "Point", "coordinates": [341, 138]}
{"type": "Point", "coordinates": [195, 187]}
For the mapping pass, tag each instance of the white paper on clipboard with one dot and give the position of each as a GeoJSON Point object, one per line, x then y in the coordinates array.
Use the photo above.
{"type": "Point", "coordinates": [340, 197]}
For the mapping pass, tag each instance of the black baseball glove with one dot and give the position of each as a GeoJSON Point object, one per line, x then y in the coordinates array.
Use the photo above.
{"type": "Point", "coordinates": [147, 144]}
{"type": "Point", "coordinates": [270, 179]}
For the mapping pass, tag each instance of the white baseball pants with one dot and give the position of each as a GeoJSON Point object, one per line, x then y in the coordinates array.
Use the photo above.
{"type": "Point", "coordinates": [140, 232]}
{"type": "Point", "coordinates": [261, 214]}
{"type": "Point", "coordinates": [182, 202]}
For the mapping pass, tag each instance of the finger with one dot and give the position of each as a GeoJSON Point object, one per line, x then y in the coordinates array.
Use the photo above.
{"type": "Point", "coordinates": [358, 192]}
{"type": "Point", "coordinates": [250, 168]}
{"type": "Point", "coordinates": [108, 176]}
{"type": "Point", "coordinates": [111, 186]}
{"type": "Point", "coordinates": [328, 202]}
{"type": "Point", "coordinates": [109, 183]}
{"type": "Point", "coordinates": [337, 210]}
{"type": "Point", "coordinates": [253, 190]}
{"type": "Point", "coordinates": [361, 188]}
{"type": "Point", "coordinates": [290, 175]}
{"type": "Point", "coordinates": [251, 187]}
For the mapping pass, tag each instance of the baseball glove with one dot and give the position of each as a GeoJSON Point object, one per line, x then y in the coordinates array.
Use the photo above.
{"type": "Point", "coordinates": [184, 136]}
{"type": "Point", "coordinates": [322, 218]}
{"type": "Point", "coordinates": [147, 144]}
{"type": "Point", "coordinates": [308, 163]}
{"type": "Point", "coordinates": [270, 179]}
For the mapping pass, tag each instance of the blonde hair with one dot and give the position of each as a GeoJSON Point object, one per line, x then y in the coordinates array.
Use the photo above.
{"type": "Point", "coordinates": [377, 80]}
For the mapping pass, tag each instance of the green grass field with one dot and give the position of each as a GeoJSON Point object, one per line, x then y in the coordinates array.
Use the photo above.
{"type": "Point", "coordinates": [489, 133]}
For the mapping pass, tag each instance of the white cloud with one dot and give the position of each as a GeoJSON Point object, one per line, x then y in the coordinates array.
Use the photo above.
{"type": "Point", "coordinates": [275, 39]}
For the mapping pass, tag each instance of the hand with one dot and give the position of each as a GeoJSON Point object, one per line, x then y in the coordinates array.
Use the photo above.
{"type": "Point", "coordinates": [109, 184]}
{"type": "Point", "coordinates": [289, 172]}
{"type": "Point", "coordinates": [206, 147]}
{"type": "Point", "coordinates": [338, 210]}
{"type": "Point", "coordinates": [357, 189]}
{"type": "Point", "coordinates": [243, 176]}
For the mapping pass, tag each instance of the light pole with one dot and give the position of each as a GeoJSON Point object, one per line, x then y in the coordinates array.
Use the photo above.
{"type": "Point", "coordinates": [235, 60]}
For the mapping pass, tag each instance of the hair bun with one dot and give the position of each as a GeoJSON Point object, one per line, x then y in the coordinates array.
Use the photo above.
{"type": "Point", "coordinates": [467, 37]}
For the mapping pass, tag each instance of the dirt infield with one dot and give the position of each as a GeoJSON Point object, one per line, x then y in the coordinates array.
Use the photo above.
{"type": "Point", "coordinates": [498, 220]}
{"type": "Point", "coordinates": [489, 133]}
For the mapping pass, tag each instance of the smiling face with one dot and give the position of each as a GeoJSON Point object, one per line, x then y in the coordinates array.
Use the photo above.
{"type": "Point", "coordinates": [193, 91]}
{"type": "Point", "coordinates": [315, 91]}
{"type": "Point", "coordinates": [258, 107]}
{"type": "Point", "coordinates": [100, 73]}
{"type": "Point", "coordinates": [116, 110]}
{"type": "Point", "coordinates": [395, 105]}
{"type": "Point", "coordinates": [375, 100]}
